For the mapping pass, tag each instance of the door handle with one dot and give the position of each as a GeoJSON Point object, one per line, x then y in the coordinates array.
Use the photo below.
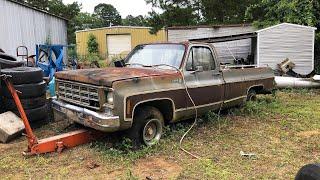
{"type": "Point", "coordinates": [216, 73]}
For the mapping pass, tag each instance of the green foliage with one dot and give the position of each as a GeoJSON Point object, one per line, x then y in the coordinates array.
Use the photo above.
{"type": "Point", "coordinates": [123, 149]}
{"type": "Point", "coordinates": [92, 57]}
{"type": "Point", "coordinates": [86, 21]}
{"type": "Point", "coordinates": [134, 21]}
{"type": "Point", "coordinates": [266, 13]}
{"type": "Point", "coordinates": [224, 12]}
{"type": "Point", "coordinates": [92, 44]}
{"type": "Point", "coordinates": [108, 14]}
{"type": "Point", "coordinates": [175, 13]}
{"type": "Point", "coordinates": [195, 12]}
{"type": "Point", "coordinates": [260, 108]}
{"type": "Point", "coordinates": [72, 52]}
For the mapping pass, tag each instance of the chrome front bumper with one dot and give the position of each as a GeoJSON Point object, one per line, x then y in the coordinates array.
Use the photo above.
{"type": "Point", "coordinates": [99, 121]}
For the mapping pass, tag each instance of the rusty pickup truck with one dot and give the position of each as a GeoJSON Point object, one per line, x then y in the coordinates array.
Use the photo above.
{"type": "Point", "coordinates": [159, 84]}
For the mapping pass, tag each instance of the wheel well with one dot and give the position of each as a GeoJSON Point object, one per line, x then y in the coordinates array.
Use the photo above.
{"type": "Point", "coordinates": [257, 89]}
{"type": "Point", "coordinates": [165, 106]}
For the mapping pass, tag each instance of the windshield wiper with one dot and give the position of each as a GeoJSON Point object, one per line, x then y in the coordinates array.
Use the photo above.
{"type": "Point", "coordinates": [137, 64]}
{"type": "Point", "coordinates": [157, 65]}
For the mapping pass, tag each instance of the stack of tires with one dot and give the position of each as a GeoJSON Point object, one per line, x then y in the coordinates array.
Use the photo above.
{"type": "Point", "coordinates": [6, 61]}
{"type": "Point", "coordinates": [28, 81]}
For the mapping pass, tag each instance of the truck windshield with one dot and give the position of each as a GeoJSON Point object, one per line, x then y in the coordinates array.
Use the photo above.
{"type": "Point", "coordinates": [155, 54]}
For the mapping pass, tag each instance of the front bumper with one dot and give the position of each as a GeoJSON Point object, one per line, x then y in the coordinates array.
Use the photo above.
{"type": "Point", "coordinates": [99, 121]}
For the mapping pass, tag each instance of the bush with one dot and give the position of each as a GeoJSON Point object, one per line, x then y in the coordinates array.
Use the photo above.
{"type": "Point", "coordinates": [91, 57]}
{"type": "Point", "coordinates": [93, 46]}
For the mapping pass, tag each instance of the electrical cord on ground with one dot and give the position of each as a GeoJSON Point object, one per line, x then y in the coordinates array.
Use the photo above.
{"type": "Point", "coordinates": [195, 109]}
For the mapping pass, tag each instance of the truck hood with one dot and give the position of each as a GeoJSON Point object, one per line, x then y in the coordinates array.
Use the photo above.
{"type": "Point", "coordinates": [106, 76]}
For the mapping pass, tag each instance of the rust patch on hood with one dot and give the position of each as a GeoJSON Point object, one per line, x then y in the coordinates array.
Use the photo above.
{"type": "Point", "coordinates": [106, 76]}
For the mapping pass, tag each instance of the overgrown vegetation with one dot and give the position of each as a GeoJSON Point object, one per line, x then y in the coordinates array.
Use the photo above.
{"type": "Point", "coordinates": [281, 130]}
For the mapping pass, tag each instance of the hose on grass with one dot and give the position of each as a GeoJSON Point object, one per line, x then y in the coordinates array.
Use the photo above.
{"type": "Point", "coordinates": [195, 109]}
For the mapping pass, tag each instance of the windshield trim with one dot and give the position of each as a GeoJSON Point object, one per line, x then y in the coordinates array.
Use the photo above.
{"type": "Point", "coordinates": [182, 44]}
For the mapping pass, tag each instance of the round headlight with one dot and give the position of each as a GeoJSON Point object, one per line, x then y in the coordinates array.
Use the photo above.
{"type": "Point", "coordinates": [110, 98]}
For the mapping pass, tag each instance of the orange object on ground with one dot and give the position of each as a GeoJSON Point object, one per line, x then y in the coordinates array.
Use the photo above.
{"type": "Point", "coordinates": [51, 144]}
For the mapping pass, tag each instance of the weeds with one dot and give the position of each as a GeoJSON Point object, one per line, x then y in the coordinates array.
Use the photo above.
{"type": "Point", "coordinates": [283, 131]}
{"type": "Point", "coordinates": [123, 150]}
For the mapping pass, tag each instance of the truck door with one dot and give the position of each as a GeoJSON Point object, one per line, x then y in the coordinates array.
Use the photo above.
{"type": "Point", "coordinates": [204, 79]}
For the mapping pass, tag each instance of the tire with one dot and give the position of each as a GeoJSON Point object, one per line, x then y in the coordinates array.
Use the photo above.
{"type": "Point", "coordinates": [35, 115]}
{"type": "Point", "coordinates": [7, 57]}
{"type": "Point", "coordinates": [24, 75]}
{"type": "Point", "coordinates": [252, 95]}
{"type": "Point", "coordinates": [32, 103]}
{"type": "Point", "coordinates": [27, 90]}
{"type": "Point", "coordinates": [146, 120]}
{"type": "Point", "coordinates": [4, 63]}
{"type": "Point", "coordinates": [309, 172]}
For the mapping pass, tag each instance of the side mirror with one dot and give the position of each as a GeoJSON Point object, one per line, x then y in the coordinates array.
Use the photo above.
{"type": "Point", "coordinates": [120, 63]}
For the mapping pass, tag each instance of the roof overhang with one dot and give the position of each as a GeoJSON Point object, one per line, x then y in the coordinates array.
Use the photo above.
{"type": "Point", "coordinates": [290, 24]}
{"type": "Point", "coordinates": [226, 38]}
{"type": "Point", "coordinates": [207, 26]}
{"type": "Point", "coordinates": [36, 9]}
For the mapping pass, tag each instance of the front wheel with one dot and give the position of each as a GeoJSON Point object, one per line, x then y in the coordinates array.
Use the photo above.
{"type": "Point", "coordinates": [147, 127]}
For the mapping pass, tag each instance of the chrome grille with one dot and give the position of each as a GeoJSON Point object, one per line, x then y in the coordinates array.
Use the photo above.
{"type": "Point", "coordinates": [78, 93]}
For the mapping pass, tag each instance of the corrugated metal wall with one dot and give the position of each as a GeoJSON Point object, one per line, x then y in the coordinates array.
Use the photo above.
{"type": "Point", "coordinates": [226, 50]}
{"type": "Point", "coordinates": [21, 25]}
{"type": "Point", "coordinates": [139, 35]}
{"type": "Point", "coordinates": [283, 41]}
{"type": "Point", "coordinates": [180, 35]}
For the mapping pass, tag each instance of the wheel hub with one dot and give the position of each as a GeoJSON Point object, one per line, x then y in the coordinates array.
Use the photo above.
{"type": "Point", "coordinates": [152, 132]}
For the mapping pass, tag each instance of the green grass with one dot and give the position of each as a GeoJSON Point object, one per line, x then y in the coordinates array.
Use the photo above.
{"type": "Point", "coordinates": [282, 130]}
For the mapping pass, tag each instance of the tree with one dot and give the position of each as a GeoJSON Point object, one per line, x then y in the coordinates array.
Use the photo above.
{"type": "Point", "coordinates": [267, 13]}
{"type": "Point", "coordinates": [175, 13]}
{"type": "Point", "coordinates": [134, 21]}
{"type": "Point", "coordinates": [93, 46]}
{"type": "Point", "coordinates": [107, 14]}
{"type": "Point", "coordinates": [195, 12]}
{"type": "Point", "coordinates": [224, 11]}
{"type": "Point", "coordinates": [86, 21]}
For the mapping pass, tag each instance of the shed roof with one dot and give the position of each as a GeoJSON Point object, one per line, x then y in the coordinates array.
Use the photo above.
{"type": "Point", "coordinates": [208, 26]}
{"type": "Point", "coordinates": [286, 24]}
{"type": "Point", "coordinates": [114, 27]}
{"type": "Point", "coordinates": [36, 9]}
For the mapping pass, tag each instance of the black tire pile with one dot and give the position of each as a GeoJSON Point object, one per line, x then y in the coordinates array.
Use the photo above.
{"type": "Point", "coordinates": [28, 81]}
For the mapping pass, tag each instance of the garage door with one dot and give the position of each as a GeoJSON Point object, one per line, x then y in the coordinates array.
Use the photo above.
{"type": "Point", "coordinates": [118, 45]}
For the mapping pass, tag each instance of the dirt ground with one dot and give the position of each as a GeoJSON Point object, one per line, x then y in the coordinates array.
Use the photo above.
{"type": "Point", "coordinates": [282, 132]}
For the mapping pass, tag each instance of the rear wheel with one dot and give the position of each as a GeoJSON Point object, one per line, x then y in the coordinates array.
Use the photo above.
{"type": "Point", "coordinates": [147, 127]}
{"type": "Point", "coordinates": [252, 95]}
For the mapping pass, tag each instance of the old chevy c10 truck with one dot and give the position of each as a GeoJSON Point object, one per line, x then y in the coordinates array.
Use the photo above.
{"type": "Point", "coordinates": [157, 86]}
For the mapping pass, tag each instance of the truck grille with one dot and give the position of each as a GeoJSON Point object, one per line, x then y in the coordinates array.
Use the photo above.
{"type": "Point", "coordinates": [79, 94]}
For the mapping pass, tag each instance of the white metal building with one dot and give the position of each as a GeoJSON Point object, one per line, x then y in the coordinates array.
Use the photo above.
{"type": "Point", "coordinates": [292, 41]}
{"type": "Point", "coordinates": [266, 47]}
{"type": "Point", "coordinates": [24, 25]}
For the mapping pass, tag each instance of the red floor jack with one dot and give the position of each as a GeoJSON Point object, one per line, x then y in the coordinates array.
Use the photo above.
{"type": "Point", "coordinates": [51, 144]}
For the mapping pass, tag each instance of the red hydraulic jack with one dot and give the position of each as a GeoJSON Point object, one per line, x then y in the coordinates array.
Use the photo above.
{"type": "Point", "coordinates": [51, 144]}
